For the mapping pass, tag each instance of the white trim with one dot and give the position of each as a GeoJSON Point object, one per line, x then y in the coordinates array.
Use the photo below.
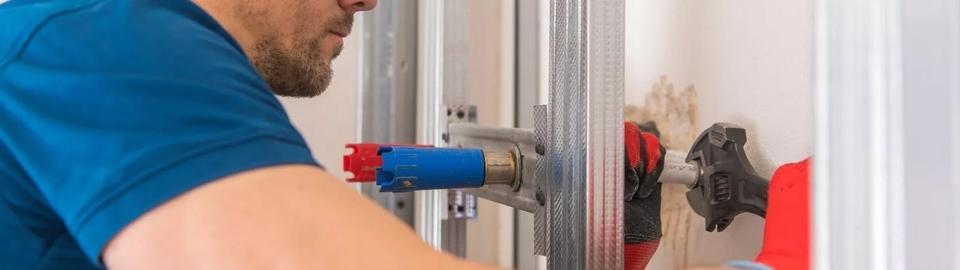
{"type": "Point", "coordinates": [429, 211]}
{"type": "Point", "coordinates": [543, 40]}
{"type": "Point", "coordinates": [507, 103]}
{"type": "Point", "coordinates": [508, 52]}
{"type": "Point", "coordinates": [821, 163]}
{"type": "Point", "coordinates": [952, 13]}
{"type": "Point", "coordinates": [858, 197]}
{"type": "Point", "coordinates": [361, 84]}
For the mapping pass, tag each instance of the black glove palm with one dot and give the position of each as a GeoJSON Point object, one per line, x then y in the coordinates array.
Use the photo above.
{"type": "Point", "coordinates": [644, 163]}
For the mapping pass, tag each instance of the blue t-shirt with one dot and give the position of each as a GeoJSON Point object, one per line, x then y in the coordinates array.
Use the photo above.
{"type": "Point", "coordinates": [109, 108]}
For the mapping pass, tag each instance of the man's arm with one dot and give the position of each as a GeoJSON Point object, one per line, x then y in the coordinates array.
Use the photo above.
{"type": "Point", "coordinates": [284, 217]}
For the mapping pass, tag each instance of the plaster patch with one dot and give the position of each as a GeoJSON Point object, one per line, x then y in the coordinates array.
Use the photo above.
{"type": "Point", "coordinates": [676, 114]}
{"type": "Point", "coordinates": [685, 241]}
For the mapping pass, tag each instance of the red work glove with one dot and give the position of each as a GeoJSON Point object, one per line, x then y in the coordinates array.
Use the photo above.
{"type": "Point", "coordinates": [786, 234]}
{"type": "Point", "coordinates": [644, 163]}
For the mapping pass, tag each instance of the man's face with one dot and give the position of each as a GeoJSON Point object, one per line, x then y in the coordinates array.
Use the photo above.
{"type": "Point", "coordinates": [294, 41]}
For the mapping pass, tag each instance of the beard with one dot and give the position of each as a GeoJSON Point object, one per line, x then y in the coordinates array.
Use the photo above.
{"type": "Point", "coordinates": [299, 71]}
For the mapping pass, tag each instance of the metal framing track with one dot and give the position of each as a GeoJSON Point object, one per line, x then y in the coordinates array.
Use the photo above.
{"type": "Point", "coordinates": [527, 72]}
{"type": "Point", "coordinates": [443, 37]}
{"type": "Point", "coordinates": [584, 155]}
{"type": "Point", "coordinates": [585, 151]}
{"type": "Point", "coordinates": [430, 120]}
{"type": "Point", "coordinates": [388, 86]}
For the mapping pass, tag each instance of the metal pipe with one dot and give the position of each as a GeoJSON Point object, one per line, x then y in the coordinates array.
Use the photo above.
{"type": "Point", "coordinates": [500, 168]}
{"type": "Point", "coordinates": [521, 194]}
{"type": "Point", "coordinates": [676, 170]}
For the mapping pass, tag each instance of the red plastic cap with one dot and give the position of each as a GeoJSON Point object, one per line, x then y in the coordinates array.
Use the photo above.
{"type": "Point", "coordinates": [364, 160]}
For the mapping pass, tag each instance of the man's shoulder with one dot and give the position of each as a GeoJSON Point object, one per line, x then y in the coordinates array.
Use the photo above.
{"type": "Point", "coordinates": [72, 28]}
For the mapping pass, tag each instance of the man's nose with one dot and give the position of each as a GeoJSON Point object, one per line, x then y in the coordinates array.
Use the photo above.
{"type": "Point", "coordinates": [354, 6]}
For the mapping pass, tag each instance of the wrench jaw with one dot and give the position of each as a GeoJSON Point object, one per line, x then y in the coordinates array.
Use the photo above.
{"type": "Point", "coordinates": [728, 185]}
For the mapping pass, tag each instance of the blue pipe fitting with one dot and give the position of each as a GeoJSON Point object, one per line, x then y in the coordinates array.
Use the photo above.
{"type": "Point", "coordinates": [416, 168]}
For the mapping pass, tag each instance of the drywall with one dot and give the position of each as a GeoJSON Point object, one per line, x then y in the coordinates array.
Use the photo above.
{"type": "Point", "coordinates": [740, 61]}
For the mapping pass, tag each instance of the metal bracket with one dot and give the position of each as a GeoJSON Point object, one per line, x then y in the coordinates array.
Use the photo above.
{"type": "Point", "coordinates": [521, 143]}
{"type": "Point", "coordinates": [541, 129]}
{"type": "Point", "coordinates": [460, 205]}
{"type": "Point", "coordinates": [529, 146]}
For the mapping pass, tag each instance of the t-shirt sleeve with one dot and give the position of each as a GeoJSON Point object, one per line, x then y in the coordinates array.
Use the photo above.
{"type": "Point", "coordinates": [113, 117]}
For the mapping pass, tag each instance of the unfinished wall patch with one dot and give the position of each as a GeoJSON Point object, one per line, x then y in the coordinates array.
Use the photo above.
{"type": "Point", "coordinates": [677, 116]}
{"type": "Point", "coordinates": [685, 242]}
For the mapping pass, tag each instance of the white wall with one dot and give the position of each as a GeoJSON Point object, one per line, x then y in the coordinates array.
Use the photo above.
{"type": "Point", "coordinates": [490, 86]}
{"type": "Point", "coordinates": [328, 122]}
{"type": "Point", "coordinates": [749, 61]}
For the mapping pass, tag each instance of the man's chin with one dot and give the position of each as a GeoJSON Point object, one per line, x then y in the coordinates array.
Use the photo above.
{"type": "Point", "coordinates": [302, 87]}
{"type": "Point", "coordinates": [336, 52]}
{"type": "Point", "coordinates": [299, 75]}
{"type": "Point", "coordinates": [300, 94]}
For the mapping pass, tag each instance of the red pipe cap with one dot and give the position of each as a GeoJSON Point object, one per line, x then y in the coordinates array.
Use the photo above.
{"type": "Point", "coordinates": [363, 161]}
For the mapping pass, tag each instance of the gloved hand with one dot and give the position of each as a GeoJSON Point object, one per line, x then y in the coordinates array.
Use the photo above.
{"type": "Point", "coordinates": [786, 233]}
{"type": "Point", "coordinates": [644, 163]}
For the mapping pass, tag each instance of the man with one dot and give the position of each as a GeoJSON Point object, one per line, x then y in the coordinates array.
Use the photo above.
{"type": "Point", "coordinates": [144, 134]}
